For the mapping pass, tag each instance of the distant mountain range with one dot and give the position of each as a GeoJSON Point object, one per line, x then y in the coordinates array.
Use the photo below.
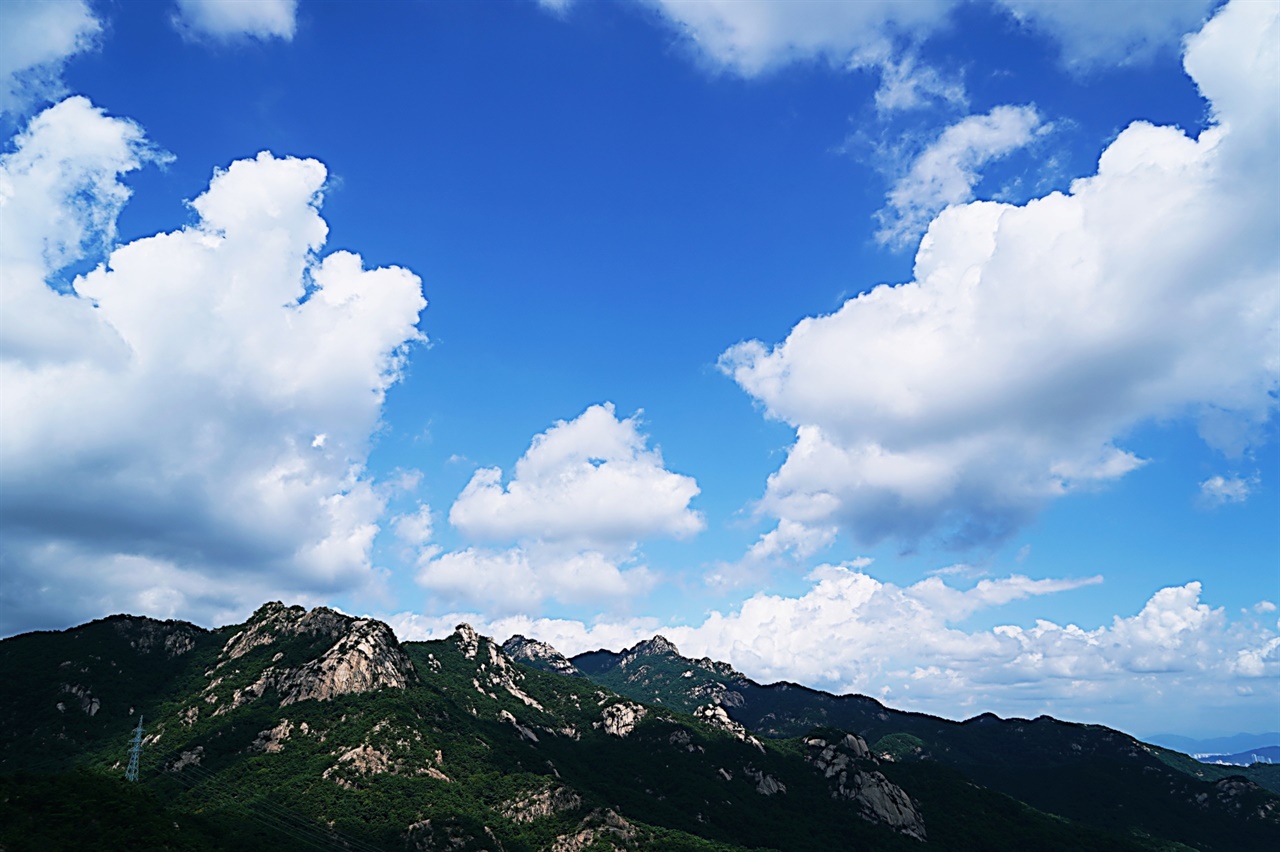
{"type": "Point", "coordinates": [1266, 754]}
{"type": "Point", "coordinates": [312, 729]}
{"type": "Point", "coordinates": [1235, 744]}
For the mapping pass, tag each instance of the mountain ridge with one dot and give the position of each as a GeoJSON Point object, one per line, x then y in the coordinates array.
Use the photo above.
{"type": "Point", "coordinates": [304, 727]}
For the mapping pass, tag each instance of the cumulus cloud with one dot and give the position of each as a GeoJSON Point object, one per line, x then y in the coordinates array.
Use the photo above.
{"type": "Point", "coordinates": [227, 19]}
{"type": "Point", "coordinates": [759, 36]}
{"type": "Point", "coordinates": [946, 172]}
{"type": "Point", "coordinates": [522, 578]}
{"type": "Point", "coordinates": [158, 433]}
{"type": "Point", "coordinates": [1096, 34]}
{"type": "Point", "coordinates": [36, 39]}
{"type": "Point", "coordinates": [1034, 337]}
{"type": "Point", "coordinates": [751, 38]}
{"type": "Point", "coordinates": [592, 479]}
{"type": "Point", "coordinates": [850, 632]}
{"type": "Point", "coordinates": [581, 499]}
{"type": "Point", "coordinates": [792, 538]}
{"type": "Point", "coordinates": [415, 528]}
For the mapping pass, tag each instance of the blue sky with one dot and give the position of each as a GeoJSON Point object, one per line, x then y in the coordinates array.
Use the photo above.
{"type": "Point", "coordinates": [567, 318]}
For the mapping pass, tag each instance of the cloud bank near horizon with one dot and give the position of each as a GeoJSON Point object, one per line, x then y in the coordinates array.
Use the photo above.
{"type": "Point", "coordinates": [909, 646]}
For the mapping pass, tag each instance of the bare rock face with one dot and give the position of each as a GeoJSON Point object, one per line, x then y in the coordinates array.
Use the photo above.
{"type": "Point", "coordinates": [524, 732]}
{"type": "Point", "coordinates": [367, 658]}
{"type": "Point", "coordinates": [364, 657]}
{"type": "Point", "coordinates": [657, 646]}
{"type": "Point", "coordinates": [88, 703]}
{"type": "Point", "coordinates": [543, 803]}
{"type": "Point", "coordinates": [272, 740]}
{"type": "Point", "coordinates": [681, 738]}
{"type": "Point", "coordinates": [766, 785]}
{"type": "Point", "coordinates": [539, 655]}
{"type": "Point", "coordinates": [468, 640]}
{"type": "Point", "coordinates": [878, 799]}
{"type": "Point", "coordinates": [187, 758]}
{"type": "Point", "coordinates": [274, 620]}
{"type": "Point", "coordinates": [618, 720]}
{"type": "Point", "coordinates": [496, 671]}
{"type": "Point", "coordinates": [391, 756]}
{"type": "Point", "coordinates": [169, 638]}
{"type": "Point", "coordinates": [715, 716]}
{"type": "Point", "coordinates": [600, 828]}
{"type": "Point", "coordinates": [436, 835]}
{"type": "Point", "coordinates": [714, 692]}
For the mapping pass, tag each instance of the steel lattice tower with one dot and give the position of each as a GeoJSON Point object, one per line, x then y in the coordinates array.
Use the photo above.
{"type": "Point", "coordinates": [135, 752]}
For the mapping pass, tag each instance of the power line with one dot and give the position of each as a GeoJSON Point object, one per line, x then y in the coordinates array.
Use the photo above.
{"type": "Point", "coordinates": [267, 814]}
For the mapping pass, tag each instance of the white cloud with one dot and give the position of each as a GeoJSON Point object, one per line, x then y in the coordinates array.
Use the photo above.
{"type": "Point", "coordinates": [163, 414]}
{"type": "Point", "coordinates": [59, 198]}
{"type": "Point", "coordinates": [790, 537]}
{"type": "Point", "coordinates": [565, 635]}
{"type": "Point", "coordinates": [750, 38]}
{"type": "Point", "coordinates": [850, 632]}
{"type": "Point", "coordinates": [946, 172]}
{"type": "Point", "coordinates": [558, 7]}
{"type": "Point", "coordinates": [36, 39]}
{"type": "Point", "coordinates": [581, 499]}
{"type": "Point", "coordinates": [590, 480]}
{"type": "Point", "coordinates": [1220, 490]}
{"type": "Point", "coordinates": [905, 81]}
{"type": "Point", "coordinates": [1103, 33]}
{"type": "Point", "coordinates": [226, 19]}
{"type": "Point", "coordinates": [521, 578]}
{"type": "Point", "coordinates": [414, 529]}
{"type": "Point", "coordinates": [1035, 337]}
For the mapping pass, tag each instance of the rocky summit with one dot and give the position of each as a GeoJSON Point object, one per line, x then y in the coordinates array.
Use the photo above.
{"type": "Point", "coordinates": [304, 729]}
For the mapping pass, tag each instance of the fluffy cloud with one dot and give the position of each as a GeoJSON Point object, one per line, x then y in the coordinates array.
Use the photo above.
{"type": "Point", "coordinates": [36, 38]}
{"type": "Point", "coordinates": [416, 528]}
{"type": "Point", "coordinates": [1093, 34]}
{"type": "Point", "coordinates": [225, 19]}
{"type": "Point", "coordinates": [1034, 337]}
{"type": "Point", "coordinates": [790, 537]}
{"type": "Point", "coordinates": [160, 438]}
{"type": "Point", "coordinates": [522, 578]}
{"type": "Point", "coordinates": [592, 480]}
{"type": "Point", "coordinates": [946, 172]}
{"type": "Point", "coordinates": [853, 633]}
{"type": "Point", "coordinates": [582, 497]}
{"type": "Point", "coordinates": [752, 38]}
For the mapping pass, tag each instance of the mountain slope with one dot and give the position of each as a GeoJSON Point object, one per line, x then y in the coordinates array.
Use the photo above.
{"type": "Point", "coordinates": [1086, 772]}
{"type": "Point", "coordinates": [303, 730]}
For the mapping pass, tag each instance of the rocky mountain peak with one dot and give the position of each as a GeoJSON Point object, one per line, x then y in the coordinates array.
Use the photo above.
{"type": "Point", "coordinates": [468, 640]}
{"type": "Point", "coordinates": [658, 646]}
{"type": "Point", "coordinates": [362, 656]}
{"type": "Point", "coordinates": [539, 655]}
{"type": "Point", "coordinates": [167, 638]}
{"type": "Point", "coordinates": [273, 621]}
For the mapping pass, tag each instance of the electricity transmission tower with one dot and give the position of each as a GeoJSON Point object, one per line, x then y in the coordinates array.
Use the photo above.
{"type": "Point", "coordinates": [135, 751]}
